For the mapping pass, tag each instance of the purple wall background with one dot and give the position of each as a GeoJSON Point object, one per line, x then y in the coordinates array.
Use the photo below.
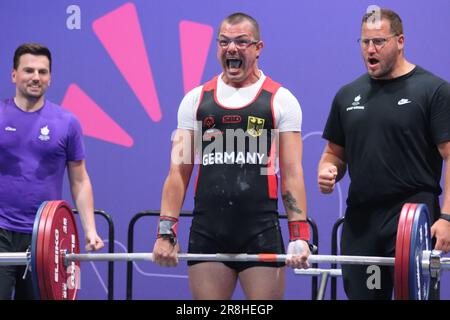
{"type": "Point", "coordinates": [310, 47]}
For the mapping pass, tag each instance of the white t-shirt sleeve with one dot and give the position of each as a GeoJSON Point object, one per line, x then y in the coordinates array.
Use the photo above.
{"type": "Point", "coordinates": [288, 113]}
{"type": "Point", "coordinates": [188, 109]}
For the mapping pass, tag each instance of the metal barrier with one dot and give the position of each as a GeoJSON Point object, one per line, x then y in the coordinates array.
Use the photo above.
{"type": "Point", "coordinates": [315, 241]}
{"type": "Point", "coordinates": [324, 274]}
{"type": "Point", "coordinates": [108, 219]}
{"type": "Point", "coordinates": [334, 251]}
{"type": "Point", "coordinates": [139, 215]}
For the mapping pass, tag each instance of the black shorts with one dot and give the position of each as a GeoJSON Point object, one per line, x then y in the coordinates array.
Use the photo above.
{"type": "Point", "coordinates": [11, 283]}
{"type": "Point", "coordinates": [268, 240]}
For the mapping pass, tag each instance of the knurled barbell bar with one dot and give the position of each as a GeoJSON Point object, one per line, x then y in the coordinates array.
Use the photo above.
{"type": "Point", "coordinates": [55, 258]}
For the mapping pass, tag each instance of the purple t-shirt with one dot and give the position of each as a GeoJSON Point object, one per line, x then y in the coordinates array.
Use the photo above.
{"type": "Point", "coordinates": [34, 150]}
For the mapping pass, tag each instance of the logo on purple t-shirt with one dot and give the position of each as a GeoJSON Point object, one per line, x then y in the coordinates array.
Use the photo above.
{"type": "Point", "coordinates": [44, 134]}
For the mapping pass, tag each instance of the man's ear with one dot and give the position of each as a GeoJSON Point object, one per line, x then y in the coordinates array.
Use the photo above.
{"type": "Point", "coordinates": [259, 47]}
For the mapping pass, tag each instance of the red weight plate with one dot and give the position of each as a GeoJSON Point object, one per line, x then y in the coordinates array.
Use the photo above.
{"type": "Point", "coordinates": [45, 261]}
{"type": "Point", "coordinates": [406, 251]}
{"type": "Point", "coordinates": [48, 251]}
{"type": "Point", "coordinates": [399, 252]}
{"type": "Point", "coordinates": [60, 235]}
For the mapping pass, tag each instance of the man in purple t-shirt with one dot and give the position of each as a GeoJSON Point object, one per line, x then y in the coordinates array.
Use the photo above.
{"type": "Point", "coordinates": [38, 140]}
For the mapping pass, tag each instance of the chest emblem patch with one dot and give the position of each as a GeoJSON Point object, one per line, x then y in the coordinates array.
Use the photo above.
{"type": "Point", "coordinates": [255, 126]}
{"type": "Point", "coordinates": [45, 134]}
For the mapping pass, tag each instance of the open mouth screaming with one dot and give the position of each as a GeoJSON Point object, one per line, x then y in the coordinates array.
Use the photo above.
{"type": "Point", "coordinates": [234, 63]}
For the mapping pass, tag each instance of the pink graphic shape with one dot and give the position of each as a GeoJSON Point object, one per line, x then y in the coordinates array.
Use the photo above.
{"type": "Point", "coordinates": [195, 41]}
{"type": "Point", "coordinates": [95, 122]}
{"type": "Point", "coordinates": [120, 33]}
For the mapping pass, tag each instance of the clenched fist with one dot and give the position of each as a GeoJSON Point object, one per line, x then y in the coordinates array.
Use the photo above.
{"type": "Point", "coordinates": [327, 179]}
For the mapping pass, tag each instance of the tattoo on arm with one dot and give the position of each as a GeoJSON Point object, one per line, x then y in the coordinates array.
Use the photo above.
{"type": "Point", "coordinates": [291, 203]}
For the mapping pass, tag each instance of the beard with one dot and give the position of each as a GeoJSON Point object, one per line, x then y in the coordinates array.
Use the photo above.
{"type": "Point", "coordinates": [384, 70]}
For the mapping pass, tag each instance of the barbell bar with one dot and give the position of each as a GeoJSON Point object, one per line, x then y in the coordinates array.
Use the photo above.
{"type": "Point", "coordinates": [23, 258]}
{"type": "Point", "coordinates": [223, 257]}
{"type": "Point", "coordinates": [55, 259]}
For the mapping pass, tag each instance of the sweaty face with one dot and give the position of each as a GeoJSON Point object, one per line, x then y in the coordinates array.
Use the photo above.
{"type": "Point", "coordinates": [32, 76]}
{"type": "Point", "coordinates": [381, 57]}
{"type": "Point", "coordinates": [238, 58]}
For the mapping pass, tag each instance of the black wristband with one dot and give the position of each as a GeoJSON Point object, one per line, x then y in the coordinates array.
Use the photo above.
{"type": "Point", "coordinates": [167, 228]}
{"type": "Point", "coordinates": [445, 216]}
{"type": "Point", "coordinates": [173, 239]}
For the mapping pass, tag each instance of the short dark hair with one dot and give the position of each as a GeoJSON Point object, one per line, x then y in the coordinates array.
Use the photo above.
{"type": "Point", "coordinates": [238, 17]}
{"type": "Point", "coordinates": [391, 16]}
{"type": "Point", "coordinates": [34, 49]}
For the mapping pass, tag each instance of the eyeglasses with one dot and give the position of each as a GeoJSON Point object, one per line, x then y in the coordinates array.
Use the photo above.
{"type": "Point", "coordinates": [378, 43]}
{"type": "Point", "coordinates": [239, 43]}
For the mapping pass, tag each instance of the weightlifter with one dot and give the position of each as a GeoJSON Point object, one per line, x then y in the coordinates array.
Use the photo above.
{"type": "Point", "coordinates": [236, 188]}
{"type": "Point", "coordinates": [391, 126]}
{"type": "Point", "coordinates": [39, 140]}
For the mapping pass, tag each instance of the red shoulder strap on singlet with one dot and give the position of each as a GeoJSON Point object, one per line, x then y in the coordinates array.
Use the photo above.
{"type": "Point", "coordinates": [270, 85]}
{"type": "Point", "coordinates": [210, 85]}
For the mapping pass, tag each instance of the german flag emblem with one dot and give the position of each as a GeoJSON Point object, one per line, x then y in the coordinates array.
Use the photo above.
{"type": "Point", "coordinates": [255, 126]}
